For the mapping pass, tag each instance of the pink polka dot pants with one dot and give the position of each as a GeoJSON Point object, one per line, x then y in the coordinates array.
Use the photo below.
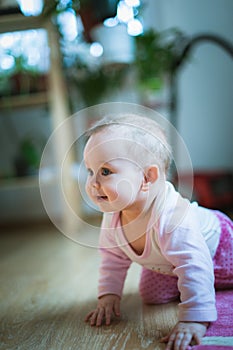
{"type": "Point", "coordinates": [157, 288]}
{"type": "Point", "coordinates": [223, 259]}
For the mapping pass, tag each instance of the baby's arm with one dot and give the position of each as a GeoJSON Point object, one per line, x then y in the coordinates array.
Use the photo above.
{"type": "Point", "coordinates": [183, 334]}
{"type": "Point", "coordinates": [112, 273]}
{"type": "Point", "coordinates": [107, 306]}
{"type": "Point", "coordinates": [185, 248]}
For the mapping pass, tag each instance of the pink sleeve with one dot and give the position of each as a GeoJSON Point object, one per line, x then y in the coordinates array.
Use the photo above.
{"type": "Point", "coordinates": [187, 251]}
{"type": "Point", "coordinates": [114, 263]}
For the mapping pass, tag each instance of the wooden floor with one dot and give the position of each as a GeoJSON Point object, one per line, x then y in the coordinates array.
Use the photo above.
{"type": "Point", "coordinates": [48, 283]}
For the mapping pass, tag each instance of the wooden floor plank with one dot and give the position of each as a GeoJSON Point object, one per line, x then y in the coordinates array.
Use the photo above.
{"type": "Point", "coordinates": [48, 283]}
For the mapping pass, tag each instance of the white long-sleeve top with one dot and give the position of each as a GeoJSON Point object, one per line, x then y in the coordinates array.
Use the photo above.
{"type": "Point", "coordinates": [181, 240]}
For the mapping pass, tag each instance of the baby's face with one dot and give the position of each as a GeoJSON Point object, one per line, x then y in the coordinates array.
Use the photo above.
{"type": "Point", "coordinates": [114, 180]}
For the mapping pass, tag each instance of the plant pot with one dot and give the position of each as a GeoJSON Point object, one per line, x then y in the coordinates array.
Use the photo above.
{"type": "Point", "coordinates": [24, 83]}
{"type": "Point", "coordinates": [93, 12]}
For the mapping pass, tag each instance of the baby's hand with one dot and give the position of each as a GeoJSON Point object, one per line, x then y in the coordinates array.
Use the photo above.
{"type": "Point", "coordinates": [107, 305]}
{"type": "Point", "coordinates": [183, 334]}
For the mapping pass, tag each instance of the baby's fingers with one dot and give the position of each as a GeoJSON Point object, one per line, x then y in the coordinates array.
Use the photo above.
{"type": "Point", "coordinates": [184, 341]}
{"type": "Point", "coordinates": [95, 317]}
{"type": "Point", "coordinates": [164, 339]}
{"type": "Point", "coordinates": [117, 308]}
{"type": "Point", "coordinates": [98, 317]}
{"type": "Point", "coordinates": [88, 316]}
{"type": "Point", "coordinates": [108, 315]}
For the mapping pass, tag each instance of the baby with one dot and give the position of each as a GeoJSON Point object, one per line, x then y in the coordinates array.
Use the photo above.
{"type": "Point", "coordinates": [186, 251]}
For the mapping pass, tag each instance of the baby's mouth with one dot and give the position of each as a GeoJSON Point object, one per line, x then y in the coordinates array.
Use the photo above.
{"type": "Point", "coordinates": [102, 198]}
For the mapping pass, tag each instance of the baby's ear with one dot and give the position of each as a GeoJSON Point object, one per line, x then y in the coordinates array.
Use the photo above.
{"type": "Point", "coordinates": [151, 174]}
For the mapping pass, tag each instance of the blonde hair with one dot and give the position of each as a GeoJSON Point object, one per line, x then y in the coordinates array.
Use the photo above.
{"type": "Point", "coordinates": [141, 130]}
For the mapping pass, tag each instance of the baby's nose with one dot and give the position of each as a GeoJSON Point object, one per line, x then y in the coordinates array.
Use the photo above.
{"type": "Point", "coordinates": [95, 182]}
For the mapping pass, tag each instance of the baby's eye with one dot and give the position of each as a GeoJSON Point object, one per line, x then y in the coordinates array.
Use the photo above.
{"type": "Point", "coordinates": [90, 172]}
{"type": "Point", "coordinates": [105, 172]}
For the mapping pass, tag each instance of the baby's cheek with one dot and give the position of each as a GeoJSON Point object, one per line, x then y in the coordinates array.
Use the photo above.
{"type": "Point", "coordinates": [125, 188]}
{"type": "Point", "coordinates": [113, 192]}
{"type": "Point", "coordinates": [87, 188]}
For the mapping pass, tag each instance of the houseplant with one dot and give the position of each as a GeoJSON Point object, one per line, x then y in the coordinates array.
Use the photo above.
{"type": "Point", "coordinates": [93, 83]}
{"type": "Point", "coordinates": [153, 60]}
{"type": "Point", "coordinates": [155, 55]}
{"type": "Point", "coordinates": [21, 79]}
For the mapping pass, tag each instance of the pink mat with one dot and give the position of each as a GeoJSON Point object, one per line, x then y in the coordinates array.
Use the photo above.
{"type": "Point", "coordinates": [224, 325]}
{"type": "Point", "coordinates": [211, 347]}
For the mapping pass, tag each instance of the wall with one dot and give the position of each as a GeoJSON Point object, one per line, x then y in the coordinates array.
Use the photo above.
{"type": "Point", "coordinates": [205, 84]}
{"type": "Point", "coordinates": [20, 200]}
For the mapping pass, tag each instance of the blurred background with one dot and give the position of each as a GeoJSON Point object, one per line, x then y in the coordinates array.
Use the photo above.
{"type": "Point", "coordinates": [58, 57]}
